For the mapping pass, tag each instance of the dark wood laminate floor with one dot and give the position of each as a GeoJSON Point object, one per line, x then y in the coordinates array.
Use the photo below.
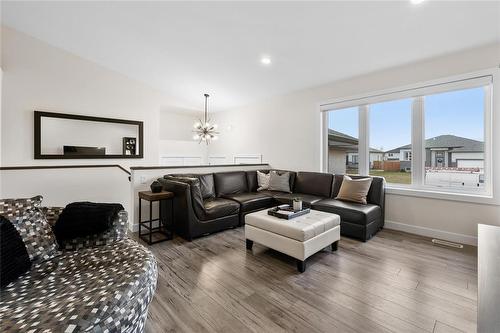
{"type": "Point", "coordinates": [395, 282]}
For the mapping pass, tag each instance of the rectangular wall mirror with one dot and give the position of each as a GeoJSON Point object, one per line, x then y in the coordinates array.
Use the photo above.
{"type": "Point", "coordinates": [65, 136]}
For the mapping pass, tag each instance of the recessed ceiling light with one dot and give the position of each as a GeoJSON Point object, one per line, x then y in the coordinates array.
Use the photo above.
{"type": "Point", "coordinates": [265, 60]}
{"type": "Point", "coordinates": [416, 2]}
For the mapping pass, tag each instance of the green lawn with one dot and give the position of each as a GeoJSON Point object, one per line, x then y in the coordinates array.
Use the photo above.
{"type": "Point", "coordinates": [395, 177]}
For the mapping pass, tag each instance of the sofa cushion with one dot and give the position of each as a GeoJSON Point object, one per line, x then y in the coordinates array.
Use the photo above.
{"type": "Point", "coordinates": [100, 289]}
{"type": "Point", "coordinates": [37, 235]}
{"type": "Point", "coordinates": [252, 201]}
{"type": "Point", "coordinates": [14, 259]}
{"type": "Point", "coordinates": [252, 181]}
{"type": "Point", "coordinates": [315, 183]}
{"type": "Point", "coordinates": [307, 199]}
{"type": "Point", "coordinates": [11, 208]}
{"type": "Point", "coordinates": [218, 207]}
{"type": "Point", "coordinates": [227, 183]}
{"type": "Point", "coordinates": [349, 211]}
{"type": "Point", "coordinates": [207, 186]}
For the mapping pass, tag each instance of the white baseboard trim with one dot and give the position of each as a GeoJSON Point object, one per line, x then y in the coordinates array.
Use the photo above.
{"type": "Point", "coordinates": [433, 233]}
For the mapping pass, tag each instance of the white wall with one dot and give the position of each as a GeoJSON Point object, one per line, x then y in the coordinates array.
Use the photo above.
{"type": "Point", "coordinates": [37, 76]}
{"type": "Point", "coordinates": [287, 130]}
{"type": "Point", "coordinates": [176, 138]}
{"type": "Point", "coordinates": [177, 126]}
{"type": "Point", "coordinates": [62, 186]}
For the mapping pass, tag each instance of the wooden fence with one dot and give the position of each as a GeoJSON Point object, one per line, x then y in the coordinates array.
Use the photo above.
{"type": "Point", "coordinates": [386, 165]}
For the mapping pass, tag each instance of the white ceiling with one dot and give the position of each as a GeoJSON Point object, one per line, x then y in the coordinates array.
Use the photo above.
{"type": "Point", "coordinates": [188, 48]}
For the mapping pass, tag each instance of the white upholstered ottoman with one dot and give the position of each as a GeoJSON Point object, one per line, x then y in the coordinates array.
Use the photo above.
{"type": "Point", "coordinates": [300, 237]}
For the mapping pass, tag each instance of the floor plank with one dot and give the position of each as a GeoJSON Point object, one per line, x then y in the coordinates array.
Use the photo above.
{"type": "Point", "coordinates": [396, 282]}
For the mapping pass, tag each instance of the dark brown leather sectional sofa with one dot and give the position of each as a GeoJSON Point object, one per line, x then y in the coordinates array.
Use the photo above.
{"type": "Point", "coordinates": [207, 203]}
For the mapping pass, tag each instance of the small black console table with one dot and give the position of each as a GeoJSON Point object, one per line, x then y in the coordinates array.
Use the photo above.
{"type": "Point", "coordinates": [159, 233]}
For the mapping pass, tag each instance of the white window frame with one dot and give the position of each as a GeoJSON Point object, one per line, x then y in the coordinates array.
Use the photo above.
{"type": "Point", "coordinates": [489, 77]}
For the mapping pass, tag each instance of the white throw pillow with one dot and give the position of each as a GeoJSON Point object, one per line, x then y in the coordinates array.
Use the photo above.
{"type": "Point", "coordinates": [263, 180]}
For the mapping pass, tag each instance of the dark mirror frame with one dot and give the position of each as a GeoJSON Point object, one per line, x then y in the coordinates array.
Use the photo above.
{"type": "Point", "coordinates": [38, 135]}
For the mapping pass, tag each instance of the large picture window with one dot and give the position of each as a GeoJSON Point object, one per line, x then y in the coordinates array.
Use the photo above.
{"type": "Point", "coordinates": [454, 139]}
{"type": "Point", "coordinates": [343, 141]}
{"type": "Point", "coordinates": [429, 137]}
{"type": "Point", "coordinates": [390, 140]}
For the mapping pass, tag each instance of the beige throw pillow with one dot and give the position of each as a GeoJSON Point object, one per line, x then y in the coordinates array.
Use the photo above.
{"type": "Point", "coordinates": [263, 180]}
{"type": "Point", "coordinates": [354, 190]}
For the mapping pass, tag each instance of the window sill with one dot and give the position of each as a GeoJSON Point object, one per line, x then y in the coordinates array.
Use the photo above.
{"type": "Point", "coordinates": [436, 194]}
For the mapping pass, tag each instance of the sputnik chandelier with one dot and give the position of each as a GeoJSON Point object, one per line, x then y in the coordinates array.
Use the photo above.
{"type": "Point", "coordinates": [204, 130]}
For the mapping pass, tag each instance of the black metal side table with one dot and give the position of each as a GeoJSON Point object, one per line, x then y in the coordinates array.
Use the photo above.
{"type": "Point", "coordinates": [160, 232]}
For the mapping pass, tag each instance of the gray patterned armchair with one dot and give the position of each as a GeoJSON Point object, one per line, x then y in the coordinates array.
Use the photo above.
{"type": "Point", "coordinates": [98, 283]}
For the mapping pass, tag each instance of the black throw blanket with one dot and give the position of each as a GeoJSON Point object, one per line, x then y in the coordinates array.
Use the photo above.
{"type": "Point", "coordinates": [80, 219]}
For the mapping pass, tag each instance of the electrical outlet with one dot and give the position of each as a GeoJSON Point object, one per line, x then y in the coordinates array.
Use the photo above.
{"type": "Point", "coordinates": [143, 179]}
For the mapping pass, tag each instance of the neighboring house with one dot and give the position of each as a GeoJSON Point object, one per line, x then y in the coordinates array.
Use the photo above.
{"type": "Point", "coordinates": [443, 151]}
{"type": "Point", "coordinates": [401, 154]}
{"type": "Point", "coordinates": [343, 152]}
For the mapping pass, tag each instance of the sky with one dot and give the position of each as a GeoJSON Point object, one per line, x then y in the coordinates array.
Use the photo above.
{"type": "Point", "coordinates": [459, 113]}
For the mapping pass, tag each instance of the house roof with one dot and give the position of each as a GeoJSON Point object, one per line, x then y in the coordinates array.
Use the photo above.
{"type": "Point", "coordinates": [347, 142]}
{"type": "Point", "coordinates": [396, 150]}
{"type": "Point", "coordinates": [452, 142]}
{"type": "Point", "coordinates": [339, 136]}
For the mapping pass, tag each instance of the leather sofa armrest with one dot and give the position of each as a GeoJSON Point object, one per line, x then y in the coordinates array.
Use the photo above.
{"type": "Point", "coordinates": [376, 194]}
{"type": "Point", "coordinates": [194, 187]}
{"type": "Point", "coordinates": [377, 191]}
{"type": "Point", "coordinates": [184, 205]}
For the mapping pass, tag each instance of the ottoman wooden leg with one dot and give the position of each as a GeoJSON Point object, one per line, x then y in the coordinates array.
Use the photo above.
{"type": "Point", "coordinates": [249, 244]}
{"type": "Point", "coordinates": [301, 266]}
{"type": "Point", "coordinates": [335, 246]}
